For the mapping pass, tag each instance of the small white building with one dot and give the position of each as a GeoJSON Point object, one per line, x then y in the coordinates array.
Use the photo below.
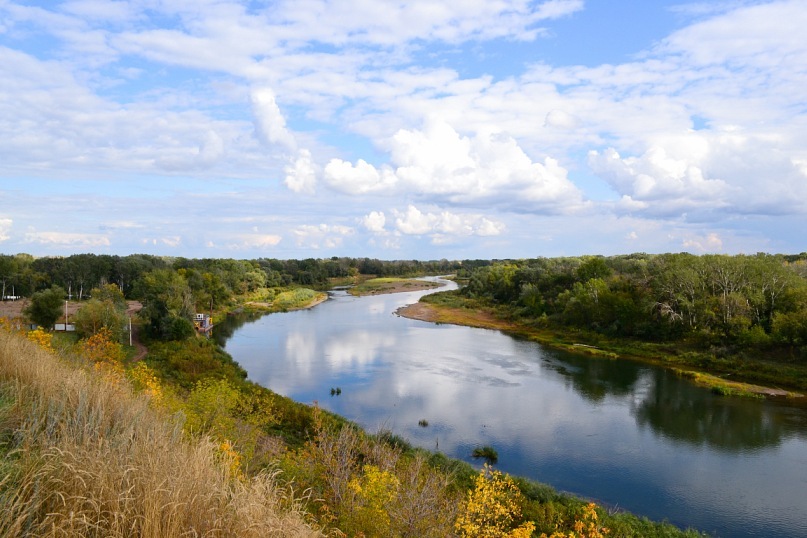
{"type": "Point", "coordinates": [203, 322]}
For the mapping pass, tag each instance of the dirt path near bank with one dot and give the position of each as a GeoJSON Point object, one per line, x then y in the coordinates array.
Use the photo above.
{"type": "Point", "coordinates": [132, 308]}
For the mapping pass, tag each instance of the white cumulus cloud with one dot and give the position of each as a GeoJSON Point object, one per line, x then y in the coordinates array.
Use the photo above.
{"type": "Point", "coordinates": [301, 175]}
{"type": "Point", "coordinates": [439, 163]}
{"type": "Point", "coordinates": [727, 170]}
{"type": "Point", "coordinates": [5, 228]}
{"type": "Point", "coordinates": [443, 226]}
{"type": "Point", "coordinates": [322, 235]}
{"type": "Point", "coordinates": [360, 178]}
{"type": "Point", "coordinates": [656, 176]}
{"type": "Point", "coordinates": [374, 221]}
{"type": "Point", "coordinates": [269, 121]}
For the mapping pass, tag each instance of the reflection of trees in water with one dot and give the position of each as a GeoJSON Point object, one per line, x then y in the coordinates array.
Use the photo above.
{"type": "Point", "coordinates": [225, 328]}
{"type": "Point", "coordinates": [677, 409]}
{"type": "Point", "coordinates": [595, 378]}
{"type": "Point", "coordinates": [680, 411]}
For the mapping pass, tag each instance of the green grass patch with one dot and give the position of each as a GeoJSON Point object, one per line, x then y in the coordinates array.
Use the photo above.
{"type": "Point", "coordinates": [486, 452]}
{"type": "Point", "coordinates": [376, 286]}
{"type": "Point", "coordinates": [294, 299]}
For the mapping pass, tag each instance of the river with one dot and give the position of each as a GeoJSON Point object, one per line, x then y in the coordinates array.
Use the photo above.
{"type": "Point", "coordinates": [629, 435]}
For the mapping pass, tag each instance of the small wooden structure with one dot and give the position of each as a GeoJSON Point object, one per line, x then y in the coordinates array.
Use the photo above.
{"type": "Point", "coordinates": [203, 322]}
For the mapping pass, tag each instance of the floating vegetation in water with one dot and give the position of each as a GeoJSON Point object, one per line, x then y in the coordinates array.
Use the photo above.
{"type": "Point", "coordinates": [487, 452]}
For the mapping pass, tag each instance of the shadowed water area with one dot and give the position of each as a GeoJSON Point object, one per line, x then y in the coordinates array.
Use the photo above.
{"type": "Point", "coordinates": [626, 434]}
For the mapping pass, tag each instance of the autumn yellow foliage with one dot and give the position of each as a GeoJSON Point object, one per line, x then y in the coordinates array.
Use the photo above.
{"type": "Point", "coordinates": [231, 459]}
{"type": "Point", "coordinates": [492, 508]}
{"type": "Point", "coordinates": [375, 490]}
{"type": "Point", "coordinates": [39, 336]}
{"type": "Point", "coordinates": [106, 354]}
{"type": "Point", "coordinates": [586, 526]}
{"type": "Point", "coordinates": [144, 380]}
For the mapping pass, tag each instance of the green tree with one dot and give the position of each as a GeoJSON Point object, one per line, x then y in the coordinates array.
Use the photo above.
{"type": "Point", "coordinates": [497, 282]}
{"type": "Point", "coordinates": [791, 327]}
{"type": "Point", "coordinates": [46, 307]}
{"type": "Point", "coordinates": [7, 271]}
{"type": "Point", "coordinates": [594, 267]}
{"type": "Point", "coordinates": [109, 292]}
{"type": "Point", "coordinates": [97, 314]}
{"type": "Point", "coordinates": [17, 278]}
{"type": "Point", "coordinates": [168, 304]}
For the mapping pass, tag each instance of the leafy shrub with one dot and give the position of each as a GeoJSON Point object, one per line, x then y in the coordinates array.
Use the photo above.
{"type": "Point", "coordinates": [492, 509]}
{"type": "Point", "coordinates": [189, 361]}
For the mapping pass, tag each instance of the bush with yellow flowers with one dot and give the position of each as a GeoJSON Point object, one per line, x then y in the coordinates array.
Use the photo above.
{"type": "Point", "coordinates": [492, 509]}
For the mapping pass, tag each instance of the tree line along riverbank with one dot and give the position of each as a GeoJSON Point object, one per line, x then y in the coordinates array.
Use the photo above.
{"type": "Point", "coordinates": [735, 323]}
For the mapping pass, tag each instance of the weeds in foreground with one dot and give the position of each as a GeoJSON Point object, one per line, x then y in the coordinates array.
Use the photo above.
{"type": "Point", "coordinates": [369, 487]}
{"type": "Point", "coordinates": [83, 457]}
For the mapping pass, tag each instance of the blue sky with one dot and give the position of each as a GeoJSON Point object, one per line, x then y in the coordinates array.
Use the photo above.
{"type": "Point", "coordinates": [462, 129]}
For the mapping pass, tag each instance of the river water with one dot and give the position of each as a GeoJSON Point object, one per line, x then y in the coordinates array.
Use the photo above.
{"type": "Point", "coordinates": [626, 434]}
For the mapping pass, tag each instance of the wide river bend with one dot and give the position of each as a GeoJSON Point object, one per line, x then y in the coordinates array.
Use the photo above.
{"type": "Point", "coordinates": [626, 434]}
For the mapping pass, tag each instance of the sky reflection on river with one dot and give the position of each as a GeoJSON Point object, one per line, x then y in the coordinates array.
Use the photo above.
{"type": "Point", "coordinates": [621, 432]}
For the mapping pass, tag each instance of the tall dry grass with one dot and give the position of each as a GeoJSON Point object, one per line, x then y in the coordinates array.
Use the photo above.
{"type": "Point", "coordinates": [81, 455]}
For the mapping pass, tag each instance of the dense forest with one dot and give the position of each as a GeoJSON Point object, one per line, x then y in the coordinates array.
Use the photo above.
{"type": "Point", "coordinates": [173, 289]}
{"type": "Point", "coordinates": [22, 274]}
{"type": "Point", "coordinates": [714, 300]}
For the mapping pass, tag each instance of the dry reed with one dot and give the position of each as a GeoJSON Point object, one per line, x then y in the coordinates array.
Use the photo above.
{"type": "Point", "coordinates": [81, 455]}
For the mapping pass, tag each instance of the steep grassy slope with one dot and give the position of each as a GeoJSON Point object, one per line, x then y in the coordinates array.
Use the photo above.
{"type": "Point", "coordinates": [80, 455]}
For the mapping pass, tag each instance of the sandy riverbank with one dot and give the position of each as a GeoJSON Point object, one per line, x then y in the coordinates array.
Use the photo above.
{"type": "Point", "coordinates": [379, 286]}
{"type": "Point", "coordinates": [457, 316]}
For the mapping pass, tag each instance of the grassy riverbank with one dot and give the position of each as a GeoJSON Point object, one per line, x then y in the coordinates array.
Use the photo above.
{"type": "Point", "coordinates": [270, 300]}
{"type": "Point", "coordinates": [183, 443]}
{"type": "Point", "coordinates": [745, 376]}
{"type": "Point", "coordinates": [375, 286]}
{"type": "Point", "coordinates": [84, 455]}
